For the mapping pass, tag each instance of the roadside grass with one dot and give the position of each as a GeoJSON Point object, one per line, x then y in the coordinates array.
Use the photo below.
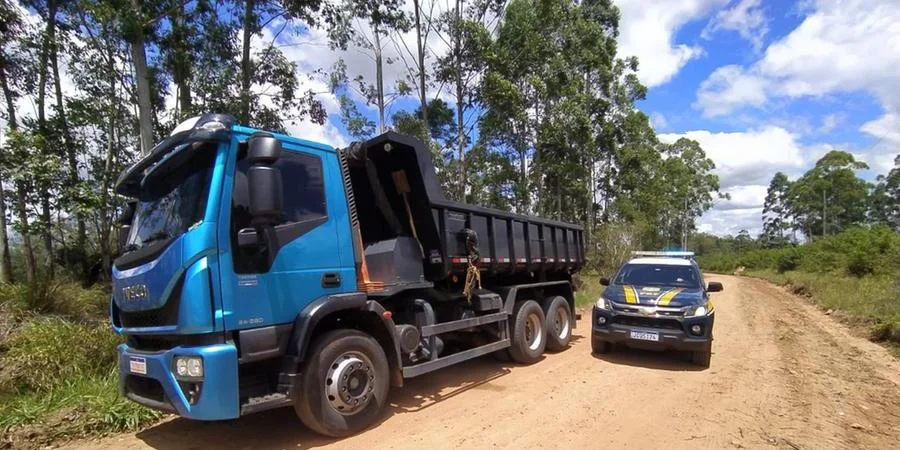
{"type": "Point", "coordinates": [589, 288]}
{"type": "Point", "coordinates": [870, 304]}
{"type": "Point", "coordinates": [57, 368]}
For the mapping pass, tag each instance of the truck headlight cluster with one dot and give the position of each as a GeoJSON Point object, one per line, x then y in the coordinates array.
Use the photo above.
{"type": "Point", "coordinates": [189, 366]}
{"type": "Point", "coordinates": [602, 303]}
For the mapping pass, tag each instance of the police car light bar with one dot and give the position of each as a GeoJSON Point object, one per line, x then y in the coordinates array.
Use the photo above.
{"type": "Point", "coordinates": [669, 254]}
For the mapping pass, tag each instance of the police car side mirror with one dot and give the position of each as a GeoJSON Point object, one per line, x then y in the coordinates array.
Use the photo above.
{"type": "Point", "coordinates": [604, 281]}
{"type": "Point", "coordinates": [714, 286]}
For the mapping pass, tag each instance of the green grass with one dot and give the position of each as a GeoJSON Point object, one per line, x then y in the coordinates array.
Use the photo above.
{"type": "Point", "coordinates": [78, 407]}
{"type": "Point", "coordinates": [57, 368]}
{"type": "Point", "coordinates": [870, 303]}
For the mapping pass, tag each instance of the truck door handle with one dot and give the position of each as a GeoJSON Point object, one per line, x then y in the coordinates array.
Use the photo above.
{"type": "Point", "coordinates": [330, 280]}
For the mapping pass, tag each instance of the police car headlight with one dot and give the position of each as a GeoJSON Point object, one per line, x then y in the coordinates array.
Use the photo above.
{"type": "Point", "coordinates": [602, 303]}
{"type": "Point", "coordinates": [696, 311]}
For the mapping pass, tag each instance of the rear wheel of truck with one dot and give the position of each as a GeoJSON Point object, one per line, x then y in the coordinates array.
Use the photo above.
{"type": "Point", "coordinates": [559, 323]}
{"type": "Point", "coordinates": [344, 383]}
{"type": "Point", "coordinates": [528, 337]}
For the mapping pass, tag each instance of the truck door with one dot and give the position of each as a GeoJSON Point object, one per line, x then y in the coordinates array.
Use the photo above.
{"type": "Point", "coordinates": [314, 256]}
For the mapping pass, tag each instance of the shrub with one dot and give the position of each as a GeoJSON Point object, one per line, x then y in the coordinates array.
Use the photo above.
{"type": "Point", "coordinates": [789, 259]}
{"type": "Point", "coordinates": [45, 350]}
{"type": "Point", "coordinates": [78, 407]}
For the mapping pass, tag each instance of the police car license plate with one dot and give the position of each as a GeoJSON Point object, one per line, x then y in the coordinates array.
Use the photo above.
{"type": "Point", "coordinates": [645, 336]}
{"type": "Point", "coordinates": [138, 365]}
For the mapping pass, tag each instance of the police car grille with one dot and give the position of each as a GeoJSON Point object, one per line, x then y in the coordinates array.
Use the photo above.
{"type": "Point", "coordinates": [647, 322]}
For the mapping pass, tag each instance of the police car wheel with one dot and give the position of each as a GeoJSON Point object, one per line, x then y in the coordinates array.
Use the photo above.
{"type": "Point", "coordinates": [600, 347]}
{"type": "Point", "coordinates": [702, 358]}
{"type": "Point", "coordinates": [529, 337]}
{"type": "Point", "coordinates": [559, 323]}
{"type": "Point", "coordinates": [345, 383]}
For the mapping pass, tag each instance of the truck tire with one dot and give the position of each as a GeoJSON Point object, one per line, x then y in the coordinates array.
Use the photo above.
{"type": "Point", "coordinates": [344, 383]}
{"type": "Point", "coordinates": [702, 357]}
{"type": "Point", "coordinates": [559, 323]}
{"type": "Point", "coordinates": [528, 336]}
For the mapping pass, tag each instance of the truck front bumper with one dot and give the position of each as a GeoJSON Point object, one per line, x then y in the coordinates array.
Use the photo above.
{"type": "Point", "coordinates": [673, 334]}
{"type": "Point", "coordinates": [148, 378]}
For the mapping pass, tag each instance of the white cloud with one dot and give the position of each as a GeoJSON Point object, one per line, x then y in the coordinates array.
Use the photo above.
{"type": "Point", "coordinates": [840, 46]}
{"type": "Point", "coordinates": [743, 197]}
{"type": "Point", "coordinates": [731, 222]}
{"type": "Point", "coordinates": [831, 121]}
{"type": "Point", "coordinates": [747, 157]}
{"type": "Point", "coordinates": [647, 30]}
{"type": "Point", "coordinates": [746, 17]}
{"type": "Point", "coordinates": [658, 121]}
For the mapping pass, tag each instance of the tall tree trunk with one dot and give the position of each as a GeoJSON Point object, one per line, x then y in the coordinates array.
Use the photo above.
{"type": "Point", "coordinates": [48, 44]}
{"type": "Point", "coordinates": [460, 126]}
{"type": "Point", "coordinates": [181, 72]}
{"type": "Point", "coordinates": [22, 212]}
{"type": "Point", "coordinates": [142, 79]}
{"type": "Point", "coordinates": [5, 258]}
{"type": "Point", "coordinates": [71, 157]}
{"type": "Point", "coordinates": [421, 49]}
{"type": "Point", "coordinates": [379, 77]}
{"type": "Point", "coordinates": [107, 172]}
{"type": "Point", "coordinates": [245, 62]}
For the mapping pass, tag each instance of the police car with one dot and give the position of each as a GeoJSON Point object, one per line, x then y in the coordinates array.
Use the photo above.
{"type": "Point", "coordinates": [657, 301]}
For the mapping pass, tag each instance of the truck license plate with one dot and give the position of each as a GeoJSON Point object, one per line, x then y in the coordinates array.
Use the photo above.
{"type": "Point", "coordinates": [137, 365]}
{"type": "Point", "coordinates": [645, 336]}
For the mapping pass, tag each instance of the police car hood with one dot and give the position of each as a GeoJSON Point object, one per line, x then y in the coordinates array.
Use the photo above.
{"type": "Point", "coordinates": [654, 295]}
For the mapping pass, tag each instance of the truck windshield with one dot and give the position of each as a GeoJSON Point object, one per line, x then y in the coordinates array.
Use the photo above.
{"type": "Point", "coordinates": [173, 199]}
{"type": "Point", "coordinates": [658, 275]}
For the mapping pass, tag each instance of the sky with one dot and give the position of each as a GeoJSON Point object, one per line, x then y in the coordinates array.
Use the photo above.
{"type": "Point", "coordinates": [763, 85]}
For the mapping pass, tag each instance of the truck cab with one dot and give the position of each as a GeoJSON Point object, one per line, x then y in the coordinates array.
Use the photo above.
{"type": "Point", "coordinates": [258, 270]}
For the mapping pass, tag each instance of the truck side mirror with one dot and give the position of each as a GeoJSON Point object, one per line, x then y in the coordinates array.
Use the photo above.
{"type": "Point", "coordinates": [125, 223]}
{"type": "Point", "coordinates": [714, 286]}
{"type": "Point", "coordinates": [265, 194]}
{"type": "Point", "coordinates": [264, 179]}
{"type": "Point", "coordinates": [604, 281]}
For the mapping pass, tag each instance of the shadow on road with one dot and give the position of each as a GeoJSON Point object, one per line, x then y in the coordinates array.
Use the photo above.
{"type": "Point", "coordinates": [651, 359]}
{"type": "Point", "coordinates": [280, 428]}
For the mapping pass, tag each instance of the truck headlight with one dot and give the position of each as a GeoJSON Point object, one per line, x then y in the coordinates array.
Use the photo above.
{"type": "Point", "coordinates": [189, 366]}
{"type": "Point", "coordinates": [695, 311]}
{"type": "Point", "coordinates": [602, 303]}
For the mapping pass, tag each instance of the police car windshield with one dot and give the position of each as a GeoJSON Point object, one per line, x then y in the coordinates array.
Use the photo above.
{"type": "Point", "coordinates": [658, 275]}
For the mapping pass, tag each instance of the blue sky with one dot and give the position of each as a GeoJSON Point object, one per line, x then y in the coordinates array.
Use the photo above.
{"type": "Point", "coordinates": [763, 85]}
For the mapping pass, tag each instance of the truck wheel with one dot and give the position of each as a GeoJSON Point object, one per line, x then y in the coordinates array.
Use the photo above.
{"type": "Point", "coordinates": [702, 357]}
{"type": "Point", "coordinates": [344, 383]}
{"type": "Point", "coordinates": [528, 336]}
{"type": "Point", "coordinates": [559, 323]}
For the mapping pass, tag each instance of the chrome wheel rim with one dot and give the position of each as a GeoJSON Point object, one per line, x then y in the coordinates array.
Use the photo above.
{"type": "Point", "coordinates": [561, 323]}
{"type": "Point", "coordinates": [349, 383]}
{"type": "Point", "coordinates": [534, 335]}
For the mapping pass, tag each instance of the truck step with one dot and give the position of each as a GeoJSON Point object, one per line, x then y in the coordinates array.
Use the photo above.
{"type": "Point", "coordinates": [440, 363]}
{"type": "Point", "coordinates": [269, 401]}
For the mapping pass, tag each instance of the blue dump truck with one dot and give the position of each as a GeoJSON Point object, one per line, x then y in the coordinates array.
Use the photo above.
{"type": "Point", "coordinates": [258, 270]}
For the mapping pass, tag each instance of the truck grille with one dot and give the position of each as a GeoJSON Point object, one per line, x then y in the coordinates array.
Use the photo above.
{"type": "Point", "coordinates": [160, 317]}
{"type": "Point", "coordinates": [145, 388]}
{"type": "Point", "coordinates": [647, 322]}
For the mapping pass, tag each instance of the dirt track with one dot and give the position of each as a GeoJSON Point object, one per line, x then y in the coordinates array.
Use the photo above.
{"type": "Point", "coordinates": [783, 375]}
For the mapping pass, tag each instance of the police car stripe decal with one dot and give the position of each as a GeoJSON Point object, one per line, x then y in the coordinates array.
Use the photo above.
{"type": "Point", "coordinates": [665, 299]}
{"type": "Point", "coordinates": [630, 294]}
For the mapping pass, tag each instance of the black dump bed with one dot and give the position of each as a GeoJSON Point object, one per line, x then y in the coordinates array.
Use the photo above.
{"type": "Point", "coordinates": [394, 192]}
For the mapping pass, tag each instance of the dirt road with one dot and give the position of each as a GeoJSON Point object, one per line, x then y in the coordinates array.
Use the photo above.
{"type": "Point", "coordinates": [783, 375]}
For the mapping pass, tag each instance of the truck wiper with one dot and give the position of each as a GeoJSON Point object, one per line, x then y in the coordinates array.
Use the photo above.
{"type": "Point", "coordinates": [158, 236]}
